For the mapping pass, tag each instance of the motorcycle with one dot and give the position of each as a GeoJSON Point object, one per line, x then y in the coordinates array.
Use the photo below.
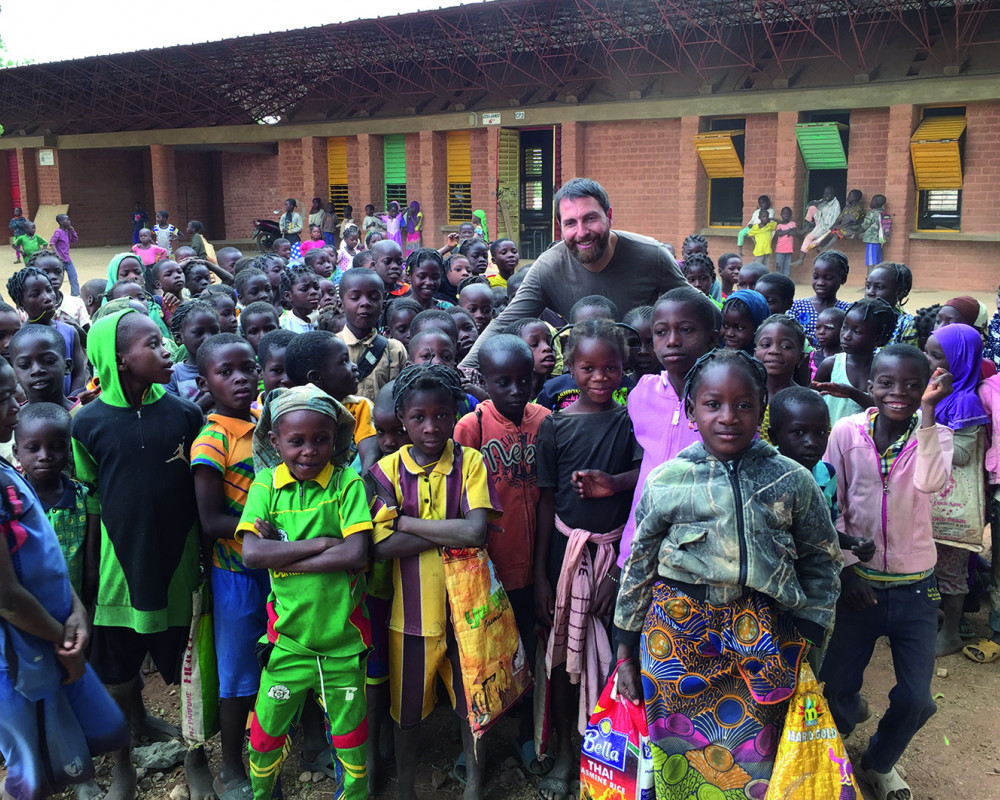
{"type": "Point", "coordinates": [264, 233]}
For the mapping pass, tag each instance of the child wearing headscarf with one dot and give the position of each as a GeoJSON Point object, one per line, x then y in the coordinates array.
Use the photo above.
{"type": "Point", "coordinates": [958, 511]}
{"type": "Point", "coordinates": [318, 633]}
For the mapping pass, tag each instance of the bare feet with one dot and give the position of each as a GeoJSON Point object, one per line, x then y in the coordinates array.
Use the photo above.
{"type": "Point", "coordinates": [123, 782]}
{"type": "Point", "coordinates": [88, 791]}
{"type": "Point", "coordinates": [147, 728]}
{"type": "Point", "coordinates": [947, 643]}
{"type": "Point", "coordinates": [199, 776]}
{"type": "Point", "coordinates": [555, 785]}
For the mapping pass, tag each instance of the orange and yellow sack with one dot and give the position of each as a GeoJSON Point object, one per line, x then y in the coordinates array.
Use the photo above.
{"type": "Point", "coordinates": [495, 669]}
{"type": "Point", "coordinates": [812, 763]}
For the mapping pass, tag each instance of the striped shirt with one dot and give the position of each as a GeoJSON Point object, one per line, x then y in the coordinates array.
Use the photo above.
{"type": "Point", "coordinates": [225, 445]}
{"type": "Point", "coordinates": [457, 484]}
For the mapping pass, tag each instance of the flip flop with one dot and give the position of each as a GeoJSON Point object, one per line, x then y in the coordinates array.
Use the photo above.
{"type": "Point", "coordinates": [887, 785]}
{"type": "Point", "coordinates": [458, 771]}
{"type": "Point", "coordinates": [965, 629]}
{"type": "Point", "coordinates": [539, 767]}
{"type": "Point", "coordinates": [325, 763]}
{"type": "Point", "coordinates": [242, 791]}
{"type": "Point", "coordinates": [557, 788]}
{"type": "Point", "coordinates": [985, 652]}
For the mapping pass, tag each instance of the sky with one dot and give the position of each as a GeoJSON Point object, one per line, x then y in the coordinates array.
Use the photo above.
{"type": "Point", "coordinates": [77, 28]}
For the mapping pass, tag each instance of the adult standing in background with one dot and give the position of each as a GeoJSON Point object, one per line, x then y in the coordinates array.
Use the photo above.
{"type": "Point", "coordinates": [291, 222]}
{"type": "Point", "coordinates": [629, 269]}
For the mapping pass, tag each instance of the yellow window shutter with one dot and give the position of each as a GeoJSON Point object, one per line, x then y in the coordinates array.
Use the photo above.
{"type": "Point", "coordinates": [459, 157]}
{"type": "Point", "coordinates": [718, 154]}
{"type": "Point", "coordinates": [934, 149]}
{"type": "Point", "coordinates": [336, 160]}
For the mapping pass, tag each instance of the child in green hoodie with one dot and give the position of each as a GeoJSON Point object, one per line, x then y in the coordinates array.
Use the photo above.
{"type": "Point", "coordinates": [132, 445]}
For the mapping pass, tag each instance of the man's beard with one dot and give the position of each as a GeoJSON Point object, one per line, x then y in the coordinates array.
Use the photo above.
{"type": "Point", "coordinates": [593, 253]}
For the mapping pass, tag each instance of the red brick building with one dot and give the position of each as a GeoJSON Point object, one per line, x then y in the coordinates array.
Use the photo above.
{"type": "Point", "coordinates": [686, 111]}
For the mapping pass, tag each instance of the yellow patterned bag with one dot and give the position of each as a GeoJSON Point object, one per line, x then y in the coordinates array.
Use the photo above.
{"type": "Point", "coordinates": [495, 669]}
{"type": "Point", "coordinates": [812, 763]}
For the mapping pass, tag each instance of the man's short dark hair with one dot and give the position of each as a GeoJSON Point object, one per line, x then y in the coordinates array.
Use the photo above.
{"type": "Point", "coordinates": [577, 188]}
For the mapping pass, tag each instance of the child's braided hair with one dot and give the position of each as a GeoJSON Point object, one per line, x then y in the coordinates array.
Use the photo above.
{"type": "Point", "coordinates": [695, 238]}
{"type": "Point", "coordinates": [425, 378]}
{"type": "Point", "coordinates": [38, 255]}
{"type": "Point", "coordinates": [837, 260]}
{"type": "Point", "coordinates": [293, 275]}
{"type": "Point", "coordinates": [515, 328]}
{"type": "Point", "coordinates": [699, 260]}
{"type": "Point", "coordinates": [187, 264]}
{"type": "Point", "coordinates": [879, 313]}
{"type": "Point", "coordinates": [244, 276]}
{"type": "Point", "coordinates": [924, 321]}
{"type": "Point", "coordinates": [638, 314]}
{"type": "Point", "coordinates": [17, 281]}
{"type": "Point", "coordinates": [219, 289]}
{"type": "Point", "coordinates": [186, 309]}
{"type": "Point", "coordinates": [902, 276]}
{"type": "Point", "coordinates": [737, 359]}
{"type": "Point", "coordinates": [790, 324]}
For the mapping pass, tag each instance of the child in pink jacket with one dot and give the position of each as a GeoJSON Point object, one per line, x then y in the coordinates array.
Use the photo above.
{"type": "Point", "coordinates": [988, 650]}
{"type": "Point", "coordinates": [889, 460]}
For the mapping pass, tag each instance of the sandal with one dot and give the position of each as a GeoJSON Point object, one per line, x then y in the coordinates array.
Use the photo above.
{"type": "Point", "coordinates": [458, 771]}
{"type": "Point", "coordinates": [539, 767]}
{"type": "Point", "coordinates": [887, 785]}
{"type": "Point", "coordinates": [985, 652]}
{"type": "Point", "coordinates": [242, 791]}
{"type": "Point", "coordinates": [556, 788]}
{"type": "Point", "coordinates": [965, 629]}
{"type": "Point", "coordinates": [326, 763]}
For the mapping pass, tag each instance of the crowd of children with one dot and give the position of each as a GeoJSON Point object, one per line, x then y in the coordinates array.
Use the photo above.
{"type": "Point", "coordinates": [691, 498]}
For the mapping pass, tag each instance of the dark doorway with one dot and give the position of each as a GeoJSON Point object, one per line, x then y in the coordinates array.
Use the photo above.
{"type": "Point", "coordinates": [535, 208]}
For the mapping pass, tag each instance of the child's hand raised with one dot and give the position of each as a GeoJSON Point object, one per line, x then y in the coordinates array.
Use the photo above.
{"type": "Point", "coordinates": [938, 388]}
{"type": "Point", "coordinates": [170, 302]}
{"type": "Point", "coordinates": [453, 239]}
{"type": "Point", "coordinates": [593, 483]}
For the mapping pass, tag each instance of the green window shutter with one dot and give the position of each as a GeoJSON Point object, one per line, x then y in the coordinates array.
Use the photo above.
{"type": "Point", "coordinates": [395, 158]}
{"type": "Point", "coordinates": [821, 145]}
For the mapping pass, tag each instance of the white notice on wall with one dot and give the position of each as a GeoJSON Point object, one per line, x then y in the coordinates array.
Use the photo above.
{"type": "Point", "coordinates": [46, 158]}
{"type": "Point", "coordinates": [492, 118]}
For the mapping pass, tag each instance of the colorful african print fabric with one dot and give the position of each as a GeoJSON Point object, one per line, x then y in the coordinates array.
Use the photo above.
{"type": "Point", "coordinates": [716, 680]}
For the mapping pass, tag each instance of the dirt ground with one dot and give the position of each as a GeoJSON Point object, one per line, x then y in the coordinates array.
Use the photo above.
{"type": "Point", "coordinates": [954, 756]}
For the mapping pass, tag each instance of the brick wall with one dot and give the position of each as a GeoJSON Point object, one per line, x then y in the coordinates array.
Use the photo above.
{"type": "Point", "coordinates": [484, 182]}
{"type": "Point", "coordinates": [637, 163]}
{"type": "Point", "coordinates": [199, 195]}
{"type": "Point", "coordinates": [101, 207]}
{"type": "Point", "coordinates": [432, 168]}
{"type": "Point", "coordinates": [49, 182]}
{"type": "Point", "coordinates": [760, 162]}
{"type": "Point", "coordinates": [250, 190]}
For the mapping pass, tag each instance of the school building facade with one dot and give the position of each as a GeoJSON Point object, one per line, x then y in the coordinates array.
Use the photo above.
{"type": "Point", "coordinates": [684, 111]}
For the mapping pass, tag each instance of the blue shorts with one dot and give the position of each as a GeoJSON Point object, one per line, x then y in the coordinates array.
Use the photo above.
{"type": "Point", "coordinates": [873, 254]}
{"type": "Point", "coordinates": [378, 659]}
{"type": "Point", "coordinates": [240, 619]}
{"type": "Point", "coordinates": [48, 745]}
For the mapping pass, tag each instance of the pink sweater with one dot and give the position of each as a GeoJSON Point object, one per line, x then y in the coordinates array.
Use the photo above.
{"type": "Point", "coordinates": [897, 513]}
{"type": "Point", "coordinates": [989, 393]}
